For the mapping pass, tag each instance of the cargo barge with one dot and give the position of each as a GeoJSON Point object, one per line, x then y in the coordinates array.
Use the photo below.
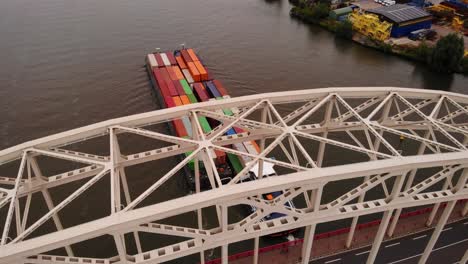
{"type": "Point", "coordinates": [180, 78]}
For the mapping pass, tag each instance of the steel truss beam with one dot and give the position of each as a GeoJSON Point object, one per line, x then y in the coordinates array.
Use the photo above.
{"type": "Point", "coordinates": [126, 217]}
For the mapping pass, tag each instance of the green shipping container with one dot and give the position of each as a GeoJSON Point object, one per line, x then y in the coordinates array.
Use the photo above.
{"type": "Point", "coordinates": [226, 111]}
{"type": "Point", "coordinates": [204, 124]}
{"type": "Point", "coordinates": [235, 162]}
{"type": "Point", "coordinates": [192, 98]}
{"type": "Point", "coordinates": [186, 87]}
{"type": "Point", "coordinates": [191, 163]}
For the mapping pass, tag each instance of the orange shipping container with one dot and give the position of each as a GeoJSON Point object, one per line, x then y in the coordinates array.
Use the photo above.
{"type": "Point", "coordinates": [256, 146]}
{"type": "Point", "coordinates": [177, 100]}
{"type": "Point", "coordinates": [172, 74]}
{"type": "Point", "coordinates": [193, 55]}
{"type": "Point", "coordinates": [194, 72]}
{"type": "Point", "coordinates": [181, 62]}
{"type": "Point", "coordinates": [184, 99]}
{"type": "Point", "coordinates": [178, 73]}
{"type": "Point", "coordinates": [201, 70]}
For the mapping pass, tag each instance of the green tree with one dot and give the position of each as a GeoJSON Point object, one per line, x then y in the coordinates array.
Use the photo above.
{"type": "Point", "coordinates": [317, 12]}
{"type": "Point", "coordinates": [464, 64]}
{"type": "Point", "coordinates": [447, 54]}
{"type": "Point", "coordinates": [423, 52]}
{"type": "Point", "coordinates": [344, 29]}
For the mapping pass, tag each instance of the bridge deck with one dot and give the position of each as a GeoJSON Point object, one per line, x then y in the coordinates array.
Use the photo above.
{"type": "Point", "coordinates": [290, 252]}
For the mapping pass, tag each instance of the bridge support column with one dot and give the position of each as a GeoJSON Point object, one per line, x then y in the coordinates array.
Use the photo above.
{"type": "Point", "coordinates": [437, 205]}
{"type": "Point", "coordinates": [464, 259]}
{"type": "Point", "coordinates": [391, 229]}
{"type": "Point", "coordinates": [310, 230]}
{"type": "Point", "coordinates": [379, 237]}
{"type": "Point", "coordinates": [123, 180]}
{"type": "Point", "coordinates": [438, 229]}
{"type": "Point", "coordinates": [55, 218]}
{"type": "Point", "coordinates": [224, 225]}
{"type": "Point", "coordinates": [256, 246]}
{"type": "Point", "coordinates": [443, 219]}
{"type": "Point", "coordinates": [307, 245]}
{"type": "Point", "coordinates": [199, 211]}
{"type": "Point", "coordinates": [385, 219]}
{"type": "Point", "coordinates": [350, 237]}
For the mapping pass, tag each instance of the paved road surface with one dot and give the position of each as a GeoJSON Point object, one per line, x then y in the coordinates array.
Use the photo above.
{"type": "Point", "coordinates": [449, 249]}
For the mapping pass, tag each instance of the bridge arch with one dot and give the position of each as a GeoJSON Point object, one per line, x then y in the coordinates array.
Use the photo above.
{"type": "Point", "coordinates": [303, 125]}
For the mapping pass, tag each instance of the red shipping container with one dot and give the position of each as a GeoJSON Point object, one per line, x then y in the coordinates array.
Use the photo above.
{"type": "Point", "coordinates": [156, 73]}
{"type": "Point", "coordinates": [172, 74]}
{"type": "Point", "coordinates": [192, 54]}
{"type": "Point", "coordinates": [159, 60]}
{"type": "Point", "coordinates": [238, 130]}
{"type": "Point", "coordinates": [171, 88]}
{"type": "Point", "coordinates": [178, 87]}
{"type": "Point", "coordinates": [179, 128]}
{"type": "Point", "coordinates": [186, 56]}
{"type": "Point", "coordinates": [181, 62]}
{"type": "Point", "coordinates": [220, 87]}
{"type": "Point", "coordinates": [171, 58]}
{"type": "Point", "coordinates": [169, 101]}
{"type": "Point", "coordinates": [220, 156]}
{"type": "Point", "coordinates": [161, 83]}
{"type": "Point", "coordinates": [193, 71]}
{"type": "Point", "coordinates": [200, 90]}
{"type": "Point", "coordinates": [165, 74]}
{"type": "Point", "coordinates": [164, 90]}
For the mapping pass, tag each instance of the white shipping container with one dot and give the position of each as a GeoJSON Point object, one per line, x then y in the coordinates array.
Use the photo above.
{"type": "Point", "coordinates": [241, 148]}
{"type": "Point", "coordinates": [250, 148]}
{"type": "Point", "coordinates": [187, 76]}
{"type": "Point", "coordinates": [188, 125]}
{"type": "Point", "coordinates": [165, 59]}
{"type": "Point", "coordinates": [151, 60]}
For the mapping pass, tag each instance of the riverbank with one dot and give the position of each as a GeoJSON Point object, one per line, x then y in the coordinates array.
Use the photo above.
{"type": "Point", "coordinates": [318, 15]}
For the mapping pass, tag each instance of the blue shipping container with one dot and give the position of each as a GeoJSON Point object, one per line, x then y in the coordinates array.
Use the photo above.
{"type": "Point", "coordinates": [212, 89]}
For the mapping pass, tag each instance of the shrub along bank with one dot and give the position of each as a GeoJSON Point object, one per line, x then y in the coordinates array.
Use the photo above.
{"type": "Point", "coordinates": [445, 56]}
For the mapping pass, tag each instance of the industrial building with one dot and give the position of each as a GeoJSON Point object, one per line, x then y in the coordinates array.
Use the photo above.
{"type": "Point", "coordinates": [404, 18]}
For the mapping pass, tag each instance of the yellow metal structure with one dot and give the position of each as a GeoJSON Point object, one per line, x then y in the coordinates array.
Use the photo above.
{"type": "Point", "coordinates": [370, 25]}
{"type": "Point", "coordinates": [457, 23]}
{"type": "Point", "coordinates": [441, 8]}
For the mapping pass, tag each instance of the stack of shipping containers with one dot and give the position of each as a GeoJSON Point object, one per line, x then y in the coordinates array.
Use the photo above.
{"type": "Point", "coordinates": [181, 79]}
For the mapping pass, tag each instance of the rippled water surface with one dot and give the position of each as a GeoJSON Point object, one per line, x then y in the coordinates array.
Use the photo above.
{"type": "Point", "coordinates": [65, 64]}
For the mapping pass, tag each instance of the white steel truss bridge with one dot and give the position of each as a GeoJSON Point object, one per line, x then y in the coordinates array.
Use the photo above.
{"type": "Point", "coordinates": [95, 195]}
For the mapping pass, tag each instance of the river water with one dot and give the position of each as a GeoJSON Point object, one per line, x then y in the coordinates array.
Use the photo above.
{"type": "Point", "coordinates": [65, 64]}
